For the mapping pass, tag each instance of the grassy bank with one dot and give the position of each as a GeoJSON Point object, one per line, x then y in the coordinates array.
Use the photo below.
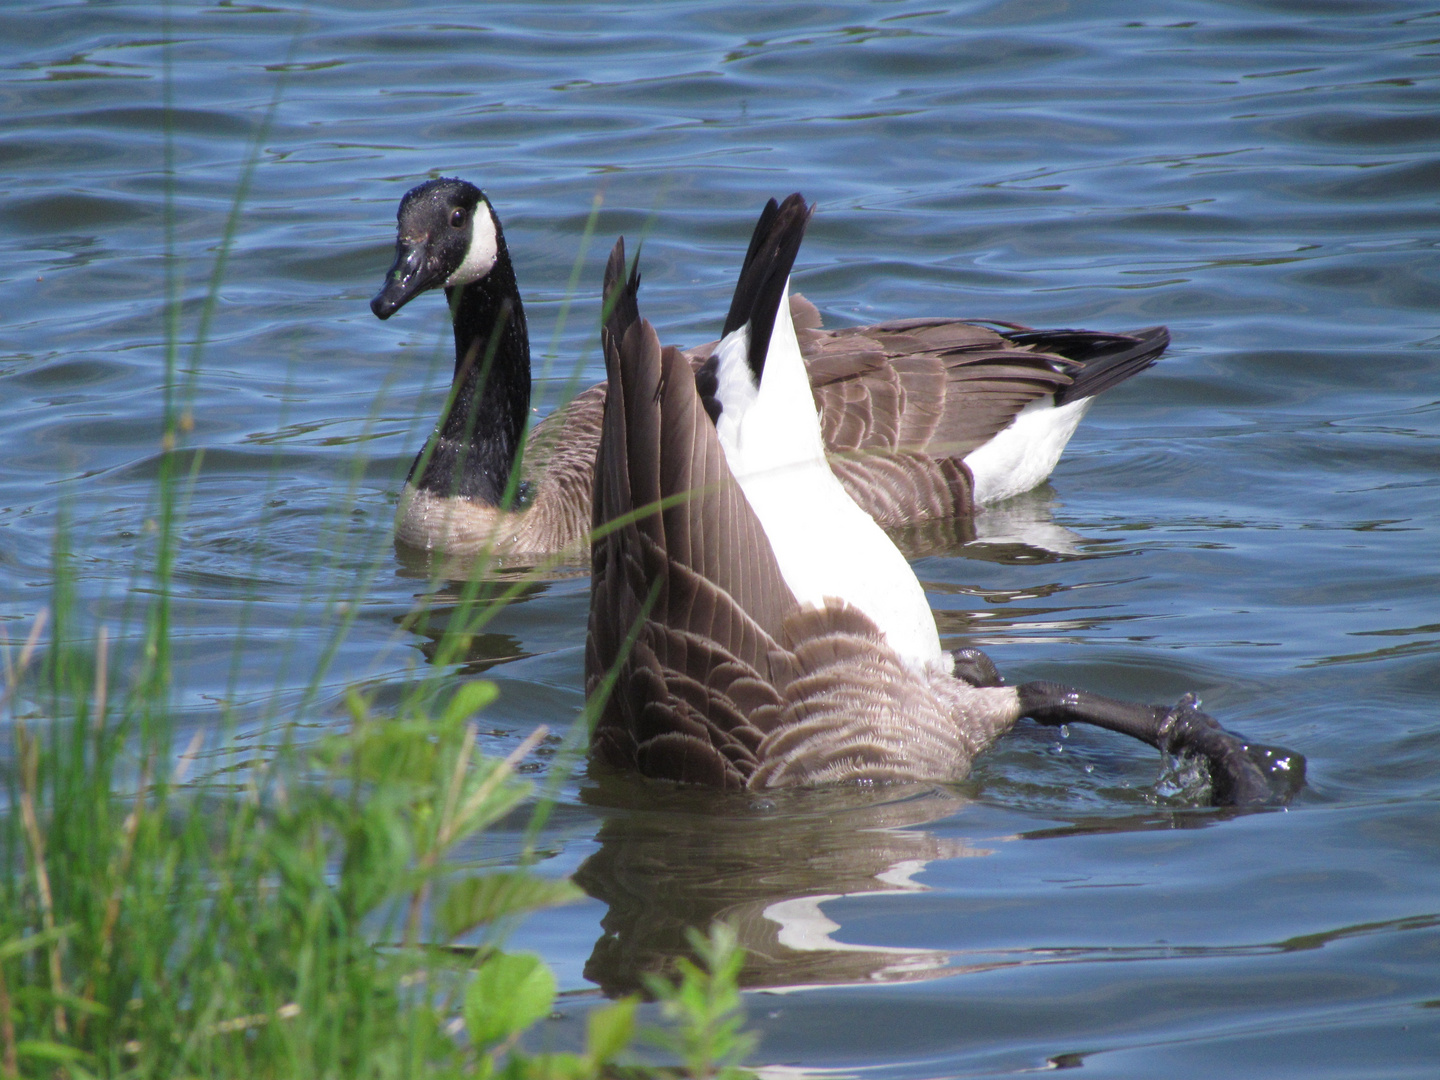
{"type": "Point", "coordinates": [289, 917]}
{"type": "Point", "coordinates": [180, 907]}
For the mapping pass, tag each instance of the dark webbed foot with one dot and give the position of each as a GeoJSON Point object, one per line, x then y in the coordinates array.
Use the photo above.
{"type": "Point", "coordinates": [977, 669]}
{"type": "Point", "coordinates": [1240, 774]}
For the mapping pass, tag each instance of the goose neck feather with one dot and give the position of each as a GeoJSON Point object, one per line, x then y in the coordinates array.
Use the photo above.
{"type": "Point", "coordinates": [476, 448]}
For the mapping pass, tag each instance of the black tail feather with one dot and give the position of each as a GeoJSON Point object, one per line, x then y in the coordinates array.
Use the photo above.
{"type": "Point", "coordinates": [762, 230]}
{"type": "Point", "coordinates": [1100, 361]}
{"type": "Point", "coordinates": [622, 303]}
{"type": "Point", "coordinates": [773, 247]}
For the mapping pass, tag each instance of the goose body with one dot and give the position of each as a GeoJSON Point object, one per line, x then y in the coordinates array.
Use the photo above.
{"type": "Point", "coordinates": [920, 418]}
{"type": "Point", "coordinates": [714, 660]}
{"type": "Point", "coordinates": [722, 675]}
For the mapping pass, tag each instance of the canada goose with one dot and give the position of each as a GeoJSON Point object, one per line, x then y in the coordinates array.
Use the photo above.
{"type": "Point", "coordinates": [737, 663]}
{"type": "Point", "coordinates": [924, 418]}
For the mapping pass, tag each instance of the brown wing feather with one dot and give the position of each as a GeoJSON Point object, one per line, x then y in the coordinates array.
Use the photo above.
{"type": "Point", "coordinates": [900, 488]}
{"type": "Point", "coordinates": [694, 582]}
{"type": "Point", "coordinates": [942, 387]}
{"type": "Point", "coordinates": [560, 462]}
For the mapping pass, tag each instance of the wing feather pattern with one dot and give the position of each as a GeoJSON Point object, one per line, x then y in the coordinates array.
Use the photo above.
{"type": "Point", "coordinates": [721, 678]}
{"type": "Point", "coordinates": [904, 401]}
{"type": "Point", "coordinates": [855, 712]}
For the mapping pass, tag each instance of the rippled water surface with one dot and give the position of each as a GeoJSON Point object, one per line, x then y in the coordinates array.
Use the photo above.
{"type": "Point", "coordinates": [1257, 518]}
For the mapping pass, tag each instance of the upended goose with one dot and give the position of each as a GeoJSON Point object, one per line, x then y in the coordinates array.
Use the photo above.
{"type": "Point", "coordinates": [923, 418]}
{"type": "Point", "coordinates": [752, 625]}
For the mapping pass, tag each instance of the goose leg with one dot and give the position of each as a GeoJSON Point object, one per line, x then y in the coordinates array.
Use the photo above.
{"type": "Point", "coordinates": [1240, 774]}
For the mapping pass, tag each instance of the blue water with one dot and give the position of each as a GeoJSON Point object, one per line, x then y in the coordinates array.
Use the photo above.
{"type": "Point", "coordinates": [1256, 519]}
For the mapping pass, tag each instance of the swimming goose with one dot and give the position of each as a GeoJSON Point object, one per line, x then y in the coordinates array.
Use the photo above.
{"type": "Point", "coordinates": [723, 653]}
{"type": "Point", "coordinates": [923, 418]}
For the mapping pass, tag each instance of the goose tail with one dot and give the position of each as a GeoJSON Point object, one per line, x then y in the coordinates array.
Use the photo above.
{"type": "Point", "coordinates": [622, 294]}
{"type": "Point", "coordinates": [761, 287]}
{"type": "Point", "coordinates": [1100, 360]}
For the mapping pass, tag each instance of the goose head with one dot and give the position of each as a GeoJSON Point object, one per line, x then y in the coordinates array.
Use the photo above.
{"type": "Point", "coordinates": [448, 236]}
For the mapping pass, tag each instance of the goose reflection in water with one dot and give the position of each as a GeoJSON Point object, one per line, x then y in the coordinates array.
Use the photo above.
{"type": "Point", "coordinates": [675, 859]}
{"type": "Point", "coordinates": [1022, 530]}
{"type": "Point", "coordinates": [773, 866]}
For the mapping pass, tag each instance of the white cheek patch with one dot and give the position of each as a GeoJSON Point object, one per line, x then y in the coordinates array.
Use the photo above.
{"type": "Point", "coordinates": [480, 255]}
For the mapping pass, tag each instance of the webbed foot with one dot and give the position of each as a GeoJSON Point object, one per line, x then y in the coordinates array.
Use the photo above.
{"type": "Point", "coordinates": [977, 669]}
{"type": "Point", "coordinates": [1241, 773]}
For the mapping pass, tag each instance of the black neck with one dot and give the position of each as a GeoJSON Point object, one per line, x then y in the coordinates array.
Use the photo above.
{"type": "Point", "coordinates": [477, 444]}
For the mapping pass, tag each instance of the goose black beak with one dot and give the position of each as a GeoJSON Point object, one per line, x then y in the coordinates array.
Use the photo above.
{"type": "Point", "coordinates": [413, 273]}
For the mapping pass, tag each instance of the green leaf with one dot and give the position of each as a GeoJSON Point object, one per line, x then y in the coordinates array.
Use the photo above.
{"type": "Point", "coordinates": [479, 901]}
{"type": "Point", "coordinates": [609, 1030]}
{"type": "Point", "coordinates": [378, 849]}
{"type": "Point", "coordinates": [469, 699]}
{"type": "Point", "coordinates": [507, 995]}
{"type": "Point", "coordinates": [503, 797]}
{"type": "Point", "coordinates": [49, 1051]}
{"type": "Point", "coordinates": [395, 751]}
{"type": "Point", "coordinates": [18, 946]}
{"type": "Point", "coordinates": [558, 1066]}
{"type": "Point", "coordinates": [357, 705]}
{"type": "Point", "coordinates": [705, 1006]}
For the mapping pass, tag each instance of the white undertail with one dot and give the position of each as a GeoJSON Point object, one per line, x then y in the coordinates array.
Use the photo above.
{"type": "Point", "coordinates": [1025, 453]}
{"type": "Point", "coordinates": [825, 545]}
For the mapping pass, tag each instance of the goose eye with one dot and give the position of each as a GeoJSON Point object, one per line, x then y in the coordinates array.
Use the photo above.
{"type": "Point", "coordinates": [457, 218]}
